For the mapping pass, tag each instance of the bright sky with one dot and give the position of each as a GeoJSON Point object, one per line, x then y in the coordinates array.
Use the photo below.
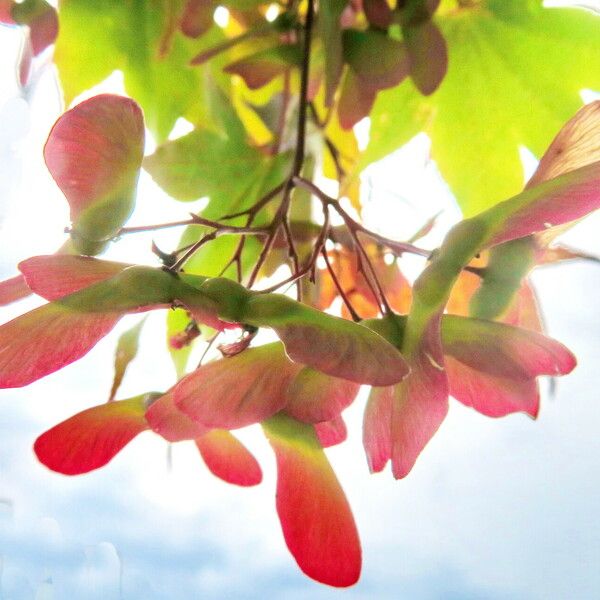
{"type": "Point", "coordinates": [504, 509]}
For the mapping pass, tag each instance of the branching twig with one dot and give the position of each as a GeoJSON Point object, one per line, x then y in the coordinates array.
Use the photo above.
{"type": "Point", "coordinates": [176, 266]}
{"type": "Point", "coordinates": [312, 260]}
{"type": "Point", "coordinates": [194, 220]}
{"type": "Point", "coordinates": [255, 208]}
{"type": "Point", "coordinates": [393, 245]}
{"type": "Point", "coordinates": [282, 213]}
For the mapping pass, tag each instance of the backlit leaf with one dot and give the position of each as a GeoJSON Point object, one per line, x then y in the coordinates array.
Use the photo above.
{"type": "Point", "coordinates": [377, 430]}
{"type": "Point", "coordinates": [54, 276]}
{"type": "Point", "coordinates": [13, 289]}
{"type": "Point", "coordinates": [560, 200]}
{"type": "Point", "coordinates": [90, 439]}
{"type": "Point", "coordinates": [47, 339]}
{"type": "Point", "coordinates": [331, 345]}
{"type": "Point", "coordinates": [507, 267]}
{"type": "Point", "coordinates": [316, 520]}
{"type": "Point", "coordinates": [503, 350]}
{"type": "Point", "coordinates": [98, 37]}
{"type": "Point", "coordinates": [127, 349]}
{"type": "Point", "coordinates": [330, 433]}
{"type": "Point", "coordinates": [206, 163]}
{"type": "Point", "coordinates": [165, 419]}
{"type": "Point", "coordinates": [260, 68]}
{"type": "Point", "coordinates": [420, 403]}
{"type": "Point", "coordinates": [540, 59]}
{"type": "Point", "coordinates": [425, 44]}
{"type": "Point", "coordinates": [94, 153]}
{"type": "Point", "coordinates": [492, 367]}
{"type": "Point", "coordinates": [314, 397]}
{"type": "Point", "coordinates": [490, 395]}
{"type": "Point", "coordinates": [375, 62]}
{"type": "Point", "coordinates": [576, 145]}
{"type": "Point", "coordinates": [140, 288]}
{"type": "Point", "coordinates": [241, 390]}
{"type": "Point", "coordinates": [228, 459]}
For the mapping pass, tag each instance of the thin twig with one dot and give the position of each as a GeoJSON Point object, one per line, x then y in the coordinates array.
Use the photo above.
{"type": "Point", "coordinates": [255, 208]}
{"type": "Point", "coordinates": [237, 255]}
{"type": "Point", "coordinates": [302, 109]}
{"type": "Point", "coordinates": [340, 289]}
{"type": "Point", "coordinates": [293, 254]}
{"type": "Point", "coordinates": [221, 228]}
{"type": "Point", "coordinates": [194, 220]}
{"type": "Point", "coordinates": [208, 347]}
{"type": "Point", "coordinates": [143, 228]}
{"type": "Point", "coordinates": [192, 250]}
{"type": "Point", "coordinates": [393, 245]}
{"type": "Point", "coordinates": [311, 262]}
{"type": "Point", "coordinates": [374, 285]}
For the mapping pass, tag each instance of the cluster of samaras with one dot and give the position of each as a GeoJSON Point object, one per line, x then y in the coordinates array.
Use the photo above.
{"type": "Point", "coordinates": [295, 388]}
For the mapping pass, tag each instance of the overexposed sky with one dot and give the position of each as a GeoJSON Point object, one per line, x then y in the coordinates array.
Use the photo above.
{"type": "Point", "coordinates": [494, 509]}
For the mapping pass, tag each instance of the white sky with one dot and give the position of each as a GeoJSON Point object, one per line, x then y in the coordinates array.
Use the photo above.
{"type": "Point", "coordinates": [503, 509]}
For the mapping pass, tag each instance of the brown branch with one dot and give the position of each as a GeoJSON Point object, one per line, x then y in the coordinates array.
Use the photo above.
{"type": "Point", "coordinates": [194, 220]}
{"type": "Point", "coordinates": [292, 253]}
{"type": "Point", "coordinates": [374, 285]}
{"type": "Point", "coordinates": [338, 285]}
{"type": "Point", "coordinates": [176, 266]}
{"type": "Point", "coordinates": [256, 207]}
{"type": "Point", "coordinates": [311, 262]}
{"type": "Point", "coordinates": [282, 213]}
{"type": "Point", "coordinates": [237, 255]}
{"type": "Point", "coordinates": [302, 110]}
{"type": "Point", "coordinates": [393, 245]}
{"type": "Point", "coordinates": [143, 228]}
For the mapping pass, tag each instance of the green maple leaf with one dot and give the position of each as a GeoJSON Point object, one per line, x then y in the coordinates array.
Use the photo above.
{"type": "Point", "coordinates": [231, 173]}
{"type": "Point", "coordinates": [234, 175]}
{"type": "Point", "coordinates": [515, 74]}
{"type": "Point", "coordinates": [140, 38]}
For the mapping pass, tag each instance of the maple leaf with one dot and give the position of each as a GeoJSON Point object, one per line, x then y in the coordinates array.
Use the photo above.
{"type": "Point", "coordinates": [540, 58]}
{"type": "Point", "coordinates": [131, 39]}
